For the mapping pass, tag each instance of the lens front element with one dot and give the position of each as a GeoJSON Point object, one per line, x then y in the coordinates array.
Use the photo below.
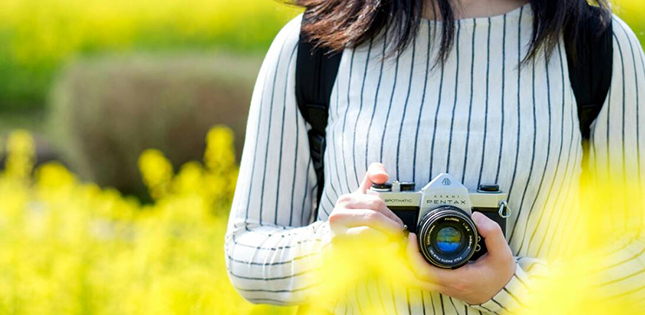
{"type": "Point", "coordinates": [448, 239]}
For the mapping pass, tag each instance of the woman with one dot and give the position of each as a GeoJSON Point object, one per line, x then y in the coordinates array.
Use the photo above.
{"type": "Point", "coordinates": [478, 89]}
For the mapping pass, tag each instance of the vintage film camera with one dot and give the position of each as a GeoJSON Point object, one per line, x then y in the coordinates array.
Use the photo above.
{"type": "Point", "coordinates": [440, 216]}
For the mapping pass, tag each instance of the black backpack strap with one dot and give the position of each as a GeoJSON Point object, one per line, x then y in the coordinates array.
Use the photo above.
{"type": "Point", "coordinates": [591, 67]}
{"type": "Point", "coordinates": [316, 70]}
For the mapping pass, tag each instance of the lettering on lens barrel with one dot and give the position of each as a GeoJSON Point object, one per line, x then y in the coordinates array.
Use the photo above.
{"type": "Point", "coordinates": [440, 215]}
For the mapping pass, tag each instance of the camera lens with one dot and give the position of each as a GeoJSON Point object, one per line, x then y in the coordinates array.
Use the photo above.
{"type": "Point", "coordinates": [447, 237]}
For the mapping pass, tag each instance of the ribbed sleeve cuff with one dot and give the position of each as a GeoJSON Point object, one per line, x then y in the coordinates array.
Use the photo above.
{"type": "Point", "coordinates": [512, 298]}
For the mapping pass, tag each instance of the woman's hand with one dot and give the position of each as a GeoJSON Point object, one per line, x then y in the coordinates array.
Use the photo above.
{"type": "Point", "coordinates": [362, 214]}
{"type": "Point", "coordinates": [474, 283]}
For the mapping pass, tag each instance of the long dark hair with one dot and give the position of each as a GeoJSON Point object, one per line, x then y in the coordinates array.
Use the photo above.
{"type": "Point", "coordinates": [338, 23]}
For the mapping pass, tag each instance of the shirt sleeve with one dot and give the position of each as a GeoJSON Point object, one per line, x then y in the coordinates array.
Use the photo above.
{"type": "Point", "coordinates": [271, 247]}
{"type": "Point", "coordinates": [617, 159]}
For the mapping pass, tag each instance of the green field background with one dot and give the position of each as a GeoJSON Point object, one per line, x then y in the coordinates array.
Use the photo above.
{"type": "Point", "coordinates": [37, 37]}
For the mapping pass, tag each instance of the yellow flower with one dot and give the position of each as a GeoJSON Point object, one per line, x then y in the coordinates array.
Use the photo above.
{"type": "Point", "coordinates": [157, 172]}
{"type": "Point", "coordinates": [220, 156]}
{"type": "Point", "coordinates": [20, 154]}
{"type": "Point", "coordinates": [70, 247]}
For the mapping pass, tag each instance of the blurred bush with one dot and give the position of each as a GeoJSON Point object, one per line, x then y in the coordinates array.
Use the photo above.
{"type": "Point", "coordinates": [105, 112]}
{"type": "Point", "coordinates": [37, 36]}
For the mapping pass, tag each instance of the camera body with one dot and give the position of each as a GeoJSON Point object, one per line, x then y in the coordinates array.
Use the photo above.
{"type": "Point", "coordinates": [440, 216]}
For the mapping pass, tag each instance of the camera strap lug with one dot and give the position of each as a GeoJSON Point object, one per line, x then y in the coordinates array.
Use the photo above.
{"type": "Point", "coordinates": [504, 210]}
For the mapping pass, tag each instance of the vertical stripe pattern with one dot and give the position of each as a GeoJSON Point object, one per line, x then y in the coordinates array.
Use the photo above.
{"type": "Point", "coordinates": [479, 117]}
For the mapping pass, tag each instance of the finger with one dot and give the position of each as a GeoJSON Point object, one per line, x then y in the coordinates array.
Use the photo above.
{"type": "Point", "coordinates": [424, 270]}
{"type": "Point", "coordinates": [419, 264]}
{"type": "Point", "coordinates": [368, 233]}
{"type": "Point", "coordinates": [373, 202]}
{"type": "Point", "coordinates": [493, 236]}
{"type": "Point", "coordinates": [367, 217]}
{"type": "Point", "coordinates": [412, 277]}
{"type": "Point", "coordinates": [376, 174]}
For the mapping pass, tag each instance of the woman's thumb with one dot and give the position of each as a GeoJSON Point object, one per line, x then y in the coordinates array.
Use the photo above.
{"type": "Point", "coordinates": [491, 232]}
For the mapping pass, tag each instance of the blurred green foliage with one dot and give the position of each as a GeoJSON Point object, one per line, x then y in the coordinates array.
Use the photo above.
{"type": "Point", "coordinates": [633, 12]}
{"type": "Point", "coordinates": [38, 36]}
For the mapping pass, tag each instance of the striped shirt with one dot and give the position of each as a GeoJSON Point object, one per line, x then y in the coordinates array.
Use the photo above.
{"type": "Point", "coordinates": [478, 117]}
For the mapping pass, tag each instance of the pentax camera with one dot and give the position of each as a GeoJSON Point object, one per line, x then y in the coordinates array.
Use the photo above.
{"type": "Point", "coordinates": [440, 215]}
